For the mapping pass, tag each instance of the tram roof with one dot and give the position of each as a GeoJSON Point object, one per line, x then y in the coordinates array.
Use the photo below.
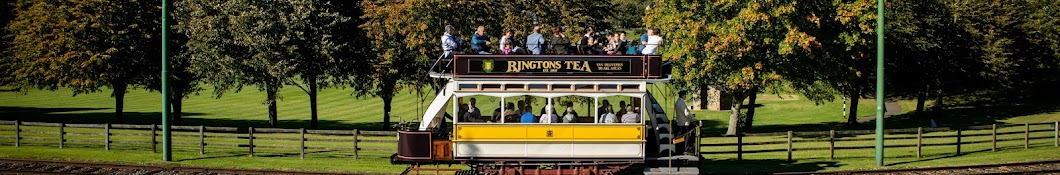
{"type": "Point", "coordinates": [557, 68]}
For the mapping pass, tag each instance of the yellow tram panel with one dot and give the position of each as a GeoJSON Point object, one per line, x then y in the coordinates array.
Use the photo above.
{"type": "Point", "coordinates": [549, 132]}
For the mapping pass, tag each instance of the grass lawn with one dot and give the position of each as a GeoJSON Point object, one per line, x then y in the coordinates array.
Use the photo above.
{"type": "Point", "coordinates": [340, 110]}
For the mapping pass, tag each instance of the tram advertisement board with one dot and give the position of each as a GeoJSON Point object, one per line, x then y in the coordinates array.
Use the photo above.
{"type": "Point", "coordinates": [551, 66]}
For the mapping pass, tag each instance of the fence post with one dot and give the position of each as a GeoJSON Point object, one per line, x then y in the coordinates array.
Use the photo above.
{"type": "Point", "coordinates": [993, 139]}
{"type": "Point", "coordinates": [739, 146]}
{"type": "Point", "coordinates": [919, 140]}
{"type": "Point", "coordinates": [18, 133]}
{"type": "Point", "coordinates": [699, 138]}
{"type": "Point", "coordinates": [62, 138]}
{"type": "Point", "coordinates": [250, 139]}
{"type": "Point", "coordinates": [301, 147]}
{"type": "Point", "coordinates": [831, 144]}
{"type": "Point", "coordinates": [106, 133]}
{"type": "Point", "coordinates": [154, 138]}
{"type": "Point", "coordinates": [789, 145]}
{"type": "Point", "coordinates": [958, 141]}
{"type": "Point", "coordinates": [356, 149]}
{"type": "Point", "coordinates": [1056, 133]}
{"type": "Point", "coordinates": [1027, 135]}
{"type": "Point", "coordinates": [202, 140]}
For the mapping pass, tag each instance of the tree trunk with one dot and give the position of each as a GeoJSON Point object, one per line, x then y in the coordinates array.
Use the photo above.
{"type": "Point", "coordinates": [313, 102]}
{"type": "Point", "coordinates": [176, 104]}
{"type": "Point", "coordinates": [387, 94]}
{"type": "Point", "coordinates": [119, 101]}
{"type": "Point", "coordinates": [734, 114]}
{"type": "Point", "coordinates": [921, 98]}
{"type": "Point", "coordinates": [939, 106]}
{"type": "Point", "coordinates": [386, 111]}
{"type": "Point", "coordinates": [749, 120]}
{"type": "Point", "coordinates": [271, 90]}
{"type": "Point", "coordinates": [855, 97]}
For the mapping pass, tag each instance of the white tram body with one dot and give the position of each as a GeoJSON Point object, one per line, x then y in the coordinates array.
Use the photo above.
{"type": "Point", "coordinates": [587, 144]}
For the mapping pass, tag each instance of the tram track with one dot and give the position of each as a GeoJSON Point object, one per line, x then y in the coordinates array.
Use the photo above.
{"type": "Point", "coordinates": [53, 167]}
{"type": "Point", "coordinates": [1027, 167]}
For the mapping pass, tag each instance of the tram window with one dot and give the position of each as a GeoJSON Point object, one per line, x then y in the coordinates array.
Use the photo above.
{"type": "Point", "coordinates": [561, 87]}
{"type": "Point", "coordinates": [629, 87]}
{"type": "Point", "coordinates": [514, 87]}
{"type": "Point", "coordinates": [538, 87]}
{"type": "Point", "coordinates": [585, 87]}
{"type": "Point", "coordinates": [610, 87]}
{"type": "Point", "coordinates": [468, 87]}
{"type": "Point", "coordinates": [491, 87]}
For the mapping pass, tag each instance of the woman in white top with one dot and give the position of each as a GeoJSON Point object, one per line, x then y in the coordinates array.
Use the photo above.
{"type": "Point", "coordinates": [654, 42]}
{"type": "Point", "coordinates": [548, 116]}
{"type": "Point", "coordinates": [506, 42]}
{"type": "Point", "coordinates": [609, 116]}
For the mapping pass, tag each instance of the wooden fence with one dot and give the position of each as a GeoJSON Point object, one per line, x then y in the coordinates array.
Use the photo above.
{"type": "Point", "coordinates": [351, 140]}
{"type": "Point", "coordinates": [206, 136]}
{"type": "Point", "coordinates": [831, 138]}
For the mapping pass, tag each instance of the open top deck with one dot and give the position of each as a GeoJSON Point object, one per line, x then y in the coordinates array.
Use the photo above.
{"type": "Point", "coordinates": [551, 67]}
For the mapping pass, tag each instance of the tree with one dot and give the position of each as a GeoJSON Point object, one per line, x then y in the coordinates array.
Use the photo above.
{"type": "Point", "coordinates": [314, 25]}
{"type": "Point", "coordinates": [261, 43]}
{"type": "Point", "coordinates": [627, 13]}
{"type": "Point", "coordinates": [84, 45]}
{"type": "Point", "coordinates": [739, 45]}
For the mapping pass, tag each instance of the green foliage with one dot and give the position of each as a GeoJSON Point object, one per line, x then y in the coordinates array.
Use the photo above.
{"type": "Point", "coordinates": [739, 45]}
{"type": "Point", "coordinates": [260, 43]}
{"type": "Point", "coordinates": [83, 44]}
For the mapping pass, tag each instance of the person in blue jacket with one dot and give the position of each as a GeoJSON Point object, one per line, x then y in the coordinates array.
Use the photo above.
{"type": "Point", "coordinates": [480, 42]}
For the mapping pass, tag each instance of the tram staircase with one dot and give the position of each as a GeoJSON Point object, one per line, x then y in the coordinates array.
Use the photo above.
{"type": "Point", "coordinates": [667, 151]}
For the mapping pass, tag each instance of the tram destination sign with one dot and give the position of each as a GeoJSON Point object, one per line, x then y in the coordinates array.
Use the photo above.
{"type": "Point", "coordinates": [569, 66]}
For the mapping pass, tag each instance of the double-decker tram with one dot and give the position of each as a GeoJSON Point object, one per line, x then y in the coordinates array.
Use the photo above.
{"type": "Point", "coordinates": [513, 139]}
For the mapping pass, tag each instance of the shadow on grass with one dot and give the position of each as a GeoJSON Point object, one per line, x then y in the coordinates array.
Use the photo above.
{"type": "Point", "coordinates": [985, 108]}
{"type": "Point", "coordinates": [962, 110]}
{"type": "Point", "coordinates": [733, 166]}
{"type": "Point", "coordinates": [92, 116]}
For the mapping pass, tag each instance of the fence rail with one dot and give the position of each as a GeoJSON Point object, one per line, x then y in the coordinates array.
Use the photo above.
{"type": "Point", "coordinates": [204, 137]}
{"type": "Point", "coordinates": [944, 139]}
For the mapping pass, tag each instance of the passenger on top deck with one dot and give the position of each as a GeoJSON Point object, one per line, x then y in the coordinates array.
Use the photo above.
{"type": "Point", "coordinates": [480, 42]}
{"type": "Point", "coordinates": [449, 42]}
{"type": "Point", "coordinates": [585, 45]}
{"type": "Point", "coordinates": [560, 42]}
{"type": "Point", "coordinates": [621, 108]}
{"type": "Point", "coordinates": [528, 116]}
{"type": "Point", "coordinates": [569, 115]}
{"type": "Point", "coordinates": [631, 116]}
{"type": "Point", "coordinates": [506, 42]}
{"type": "Point", "coordinates": [535, 42]}
{"type": "Point", "coordinates": [548, 116]}
{"type": "Point", "coordinates": [654, 42]}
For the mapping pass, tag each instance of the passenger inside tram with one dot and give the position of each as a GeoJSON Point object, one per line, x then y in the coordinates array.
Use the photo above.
{"type": "Point", "coordinates": [548, 116]}
{"type": "Point", "coordinates": [631, 116]}
{"type": "Point", "coordinates": [528, 115]}
{"type": "Point", "coordinates": [473, 114]}
{"type": "Point", "coordinates": [603, 108]}
{"type": "Point", "coordinates": [609, 115]}
{"type": "Point", "coordinates": [570, 115]}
